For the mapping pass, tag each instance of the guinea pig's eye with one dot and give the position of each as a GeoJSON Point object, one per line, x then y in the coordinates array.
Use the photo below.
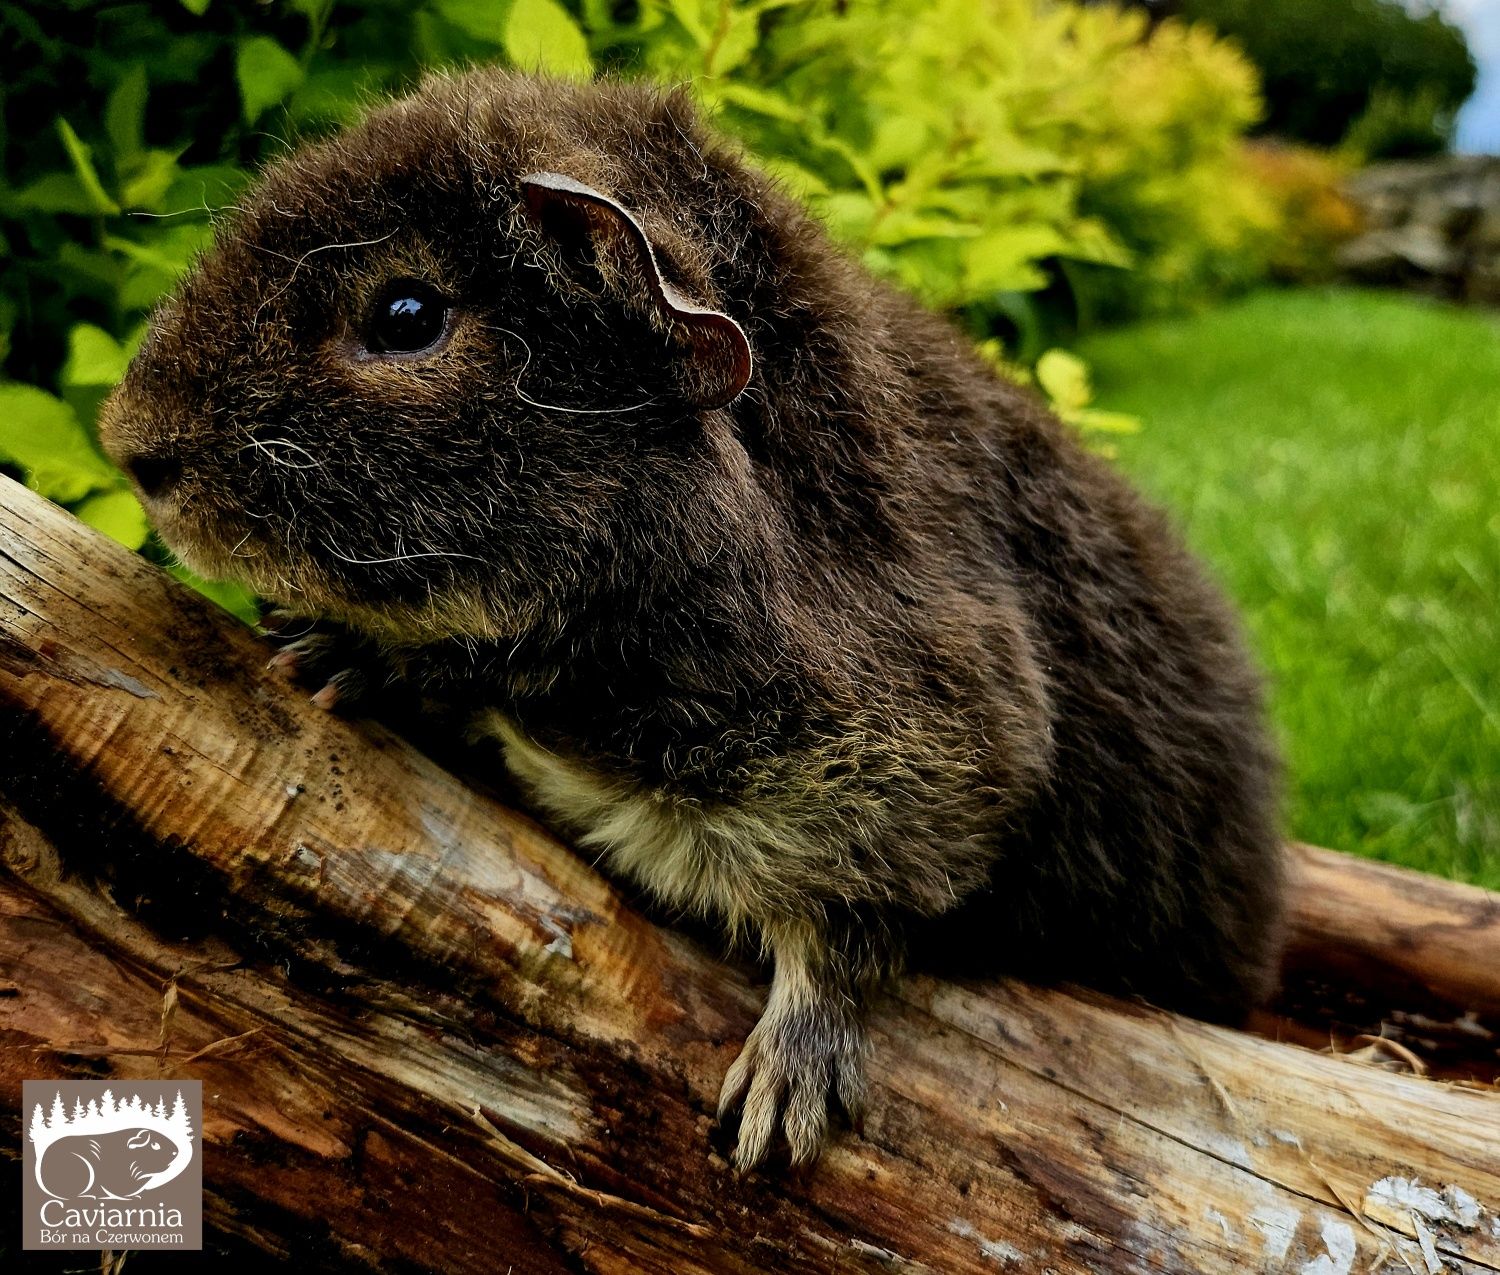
{"type": "Point", "coordinates": [408, 316]}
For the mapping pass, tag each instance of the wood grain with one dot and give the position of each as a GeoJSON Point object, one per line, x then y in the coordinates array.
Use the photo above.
{"type": "Point", "coordinates": [430, 1035]}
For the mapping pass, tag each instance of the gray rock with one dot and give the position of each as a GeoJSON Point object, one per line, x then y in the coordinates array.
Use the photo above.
{"type": "Point", "coordinates": [1484, 238]}
{"type": "Point", "coordinates": [1387, 256]}
{"type": "Point", "coordinates": [1432, 224]}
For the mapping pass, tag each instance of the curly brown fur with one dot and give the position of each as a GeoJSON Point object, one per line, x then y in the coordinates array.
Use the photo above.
{"type": "Point", "coordinates": [869, 642]}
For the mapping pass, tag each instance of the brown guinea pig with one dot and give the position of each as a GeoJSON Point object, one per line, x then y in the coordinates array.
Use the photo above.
{"type": "Point", "coordinates": [778, 598]}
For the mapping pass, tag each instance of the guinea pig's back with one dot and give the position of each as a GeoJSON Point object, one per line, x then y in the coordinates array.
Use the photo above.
{"type": "Point", "coordinates": [1149, 861]}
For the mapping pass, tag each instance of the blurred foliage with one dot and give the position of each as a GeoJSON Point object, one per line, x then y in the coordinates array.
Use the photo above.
{"type": "Point", "coordinates": [1032, 165]}
{"type": "Point", "coordinates": [1316, 215]}
{"type": "Point", "coordinates": [1157, 126]}
{"type": "Point", "coordinates": [1383, 75]}
{"type": "Point", "coordinates": [1398, 125]}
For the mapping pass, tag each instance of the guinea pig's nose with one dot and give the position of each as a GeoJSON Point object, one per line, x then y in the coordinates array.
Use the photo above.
{"type": "Point", "coordinates": [155, 472]}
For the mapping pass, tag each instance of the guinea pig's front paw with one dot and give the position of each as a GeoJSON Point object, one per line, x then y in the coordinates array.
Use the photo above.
{"type": "Point", "coordinates": [341, 665]}
{"type": "Point", "coordinates": [794, 1064]}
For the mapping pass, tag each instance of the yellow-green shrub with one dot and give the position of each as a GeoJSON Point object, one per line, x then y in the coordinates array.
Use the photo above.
{"type": "Point", "coordinates": [965, 147]}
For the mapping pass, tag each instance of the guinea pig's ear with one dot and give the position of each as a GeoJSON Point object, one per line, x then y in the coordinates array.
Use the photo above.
{"type": "Point", "coordinates": [577, 215]}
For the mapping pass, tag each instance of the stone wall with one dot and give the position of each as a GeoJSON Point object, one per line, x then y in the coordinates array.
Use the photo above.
{"type": "Point", "coordinates": [1432, 224]}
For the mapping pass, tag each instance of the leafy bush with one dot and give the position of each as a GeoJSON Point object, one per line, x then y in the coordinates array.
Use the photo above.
{"type": "Point", "coordinates": [1005, 158]}
{"type": "Point", "coordinates": [1158, 125]}
{"type": "Point", "coordinates": [1327, 63]}
{"type": "Point", "coordinates": [977, 151]}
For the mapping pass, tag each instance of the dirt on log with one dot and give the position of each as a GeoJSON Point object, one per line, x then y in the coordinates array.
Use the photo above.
{"type": "Point", "coordinates": [430, 1037]}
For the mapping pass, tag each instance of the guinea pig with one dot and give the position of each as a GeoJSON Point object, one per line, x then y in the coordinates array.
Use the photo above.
{"type": "Point", "coordinates": [779, 600]}
{"type": "Point", "coordinates": [108, 1166]}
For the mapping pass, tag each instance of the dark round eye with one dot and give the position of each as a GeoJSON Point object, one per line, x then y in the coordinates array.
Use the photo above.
{"type": "Point", "coordinates": [408, 316]}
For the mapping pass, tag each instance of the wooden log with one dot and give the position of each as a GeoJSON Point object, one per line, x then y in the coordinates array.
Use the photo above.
{"type": "Point", "coordinates": [1384, 927]}
{"type": "Point", "coordinates": [1401, 958]}
{"type": "Point", "coordinates": [431, 1035]}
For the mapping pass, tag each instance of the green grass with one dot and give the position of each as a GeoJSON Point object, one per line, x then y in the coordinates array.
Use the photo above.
{"type": "Point", "coordinates": [1335, 455]}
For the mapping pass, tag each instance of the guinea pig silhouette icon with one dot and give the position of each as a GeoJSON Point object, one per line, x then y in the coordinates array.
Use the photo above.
{"type": "Point", "coordinates": [110, 1150]}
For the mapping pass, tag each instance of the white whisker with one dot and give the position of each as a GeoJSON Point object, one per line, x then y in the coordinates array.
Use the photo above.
{"type": "Point", "coordinates": [187, 212]}
{"type": "Point", "coordinates": [297, 262]}
{"type": "Point", "coordinates": [267, 446]}
{"type": "Point", "coordinates": [401, 557]}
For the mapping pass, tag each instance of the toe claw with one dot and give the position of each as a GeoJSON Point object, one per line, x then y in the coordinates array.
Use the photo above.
{"type": "Point", "coordinates": [737, 1080]}
{"type": "Point", "coordinates": [337, 665]}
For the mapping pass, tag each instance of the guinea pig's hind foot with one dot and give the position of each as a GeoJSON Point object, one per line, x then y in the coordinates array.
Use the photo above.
{"type": "Point", "coordinates": [341, 666]}
{"type": "Point", "coordinates": [799, 1059]}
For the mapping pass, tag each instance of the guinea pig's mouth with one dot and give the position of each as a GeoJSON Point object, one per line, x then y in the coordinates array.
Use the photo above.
{"type": "Point", "coordinates": [219, 548]}
{"type": "Point", "coordinates": [220, 541]}
{"type": "Point", "coordinates": [215, 520]}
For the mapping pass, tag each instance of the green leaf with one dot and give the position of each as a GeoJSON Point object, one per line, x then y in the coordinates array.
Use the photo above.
{"type": "Point", "coordinates": [144, 288]}
{"type": "Point", "coordinates": [599, 16]}
{"type": "Point", "coordinates": [156, 266]}
{"type": "Point", "coordinates": [902, 226]}
{"type": "Point", "coordinates": [53, 193]}
{"type": "Point", "coordinates": [735, 36]}
{"type": "Point", "coordinates": [205, 187]}
{"type": "Point", "coordinates": [1005, 258]}
{"type": "Point", "coordinates": [992, 351]}
{"type": "Point", "coordinates": [849, 215]}
{"type": "Point", "coordinates": [1103, 422]}
{"type": "Point", "coordinates": [859, 165]}
{"type": "Point", "coordinates": [95, 364]}
{"type": "Point", "coordinates": [87, 270]}
{"type": "Point", "coordinates": [760, 101]}
{"type": "Point", "coordinates": [196, 7]}
{"type": "Point", "coordinates": [540, 34]}
{"type": "Point", "coordinates": [1065, 378]}
{"type": "Point", "coordinates": [148, 179]}
{"type": "Point", "coordinates": [94, 357]}
{"type": "Point", "coordinates": [900, 140]}
{"type": "Point", "coordinates": [170, 252]}
{"type": "Point", "coordinates": [83, 169]}
{"type": "Point", "coordinates": [125, 114]}
{"type": "Point", "coordinates": [234, 598]}
{"type": "Point", "coordinates": [1090, 240]}
{"type": "Point", "coordinates": [43, 436]}
{"type": "Point", "coordinates": [484, 20]}
{"type": "Point", "coordinates": [802, 182]}
{"type": "Point", "coordinates": [267, 74]}
{"type": "Point", "coordinates": [118, 515]}
{"type": "Point", "coordinates": [691, 14]}
{"type": "Point", "coordinates": [337, 94]}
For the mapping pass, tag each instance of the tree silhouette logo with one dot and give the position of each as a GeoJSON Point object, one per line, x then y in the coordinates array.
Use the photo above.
{"type": "Point", "coordinates": [108, 1170]}
{"type": "Point", "coordinates": [110, 1161]}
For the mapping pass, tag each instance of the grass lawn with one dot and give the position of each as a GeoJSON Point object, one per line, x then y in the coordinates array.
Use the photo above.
{"type": "Point", "coordinates": [1335, 455]}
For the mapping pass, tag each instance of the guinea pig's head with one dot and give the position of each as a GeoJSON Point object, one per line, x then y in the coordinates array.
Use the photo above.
{"type": "Point", "coordinates": [443, 368]}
